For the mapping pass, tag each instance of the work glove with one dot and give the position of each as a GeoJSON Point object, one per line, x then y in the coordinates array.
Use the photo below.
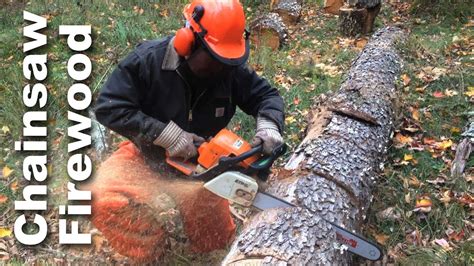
{"type": "Point", "coordinates": [177, 142]}
{"type": "Point", "coordinates": [267, 134]}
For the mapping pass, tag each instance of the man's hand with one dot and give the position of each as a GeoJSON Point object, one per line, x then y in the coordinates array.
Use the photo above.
{"type": "Point", "coordinates": [177, 142]}
{"type": "Point", "coordinates": [267, 134]}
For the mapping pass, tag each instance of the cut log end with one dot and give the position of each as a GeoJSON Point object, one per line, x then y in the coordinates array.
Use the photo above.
{"type": "Point", "coordinates": [266, 38]}
{"type": "Point", "coordinates": [268, 31]}
{"type": "Point", "coordinates": [333, 6]}
{"type": "Point", "coordinates": [355, 20]}
{"type": "Point", "coordinates": [351, 20]}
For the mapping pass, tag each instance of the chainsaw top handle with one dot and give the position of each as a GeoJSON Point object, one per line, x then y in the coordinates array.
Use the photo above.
{"type": "Point", "coordinates": [260, 166]}
{"type": "Point", "coordinates": [266, 161]}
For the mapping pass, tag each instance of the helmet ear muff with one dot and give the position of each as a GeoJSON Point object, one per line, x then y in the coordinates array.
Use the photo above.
{"type": "Point", "coordinates": [183, 41]}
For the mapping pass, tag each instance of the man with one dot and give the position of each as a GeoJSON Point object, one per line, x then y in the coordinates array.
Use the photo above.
{"type": "Point", "coordinates": [171, 94]}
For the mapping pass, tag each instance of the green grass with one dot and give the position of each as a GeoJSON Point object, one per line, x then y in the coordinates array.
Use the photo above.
{"type": "Point", "coordinates": [429, 45]}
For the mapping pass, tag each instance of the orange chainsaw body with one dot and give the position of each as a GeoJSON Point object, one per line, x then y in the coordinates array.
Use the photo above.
{"type": "Point", "coordinates": [224, 144]}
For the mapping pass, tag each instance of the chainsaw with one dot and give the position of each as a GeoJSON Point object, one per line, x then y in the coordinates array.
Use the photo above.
{"type": "Point", "coordinates": [224, 152]}
{"type": "Point", "coordinates": [227, 164]}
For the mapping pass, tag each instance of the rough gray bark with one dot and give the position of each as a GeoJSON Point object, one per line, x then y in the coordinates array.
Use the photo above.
{"type": "Point", "coordinates": [464, 149]}
{"type": "Point", "coordinates": [334, 169]}
{"type": "Point", "coordinates": [268, 30]}
{"type": "Point", "coordinates": [100, 137]}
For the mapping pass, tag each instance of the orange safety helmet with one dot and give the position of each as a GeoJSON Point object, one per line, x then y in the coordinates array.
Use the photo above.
{"type": "Point", "coordinates": [220, 26]}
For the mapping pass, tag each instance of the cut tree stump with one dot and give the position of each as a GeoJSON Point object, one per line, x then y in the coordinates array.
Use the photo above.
{"type": "Point", "coordinates": [289, 10]}
{"type": "Point", "coordinates": [268, 30]}
{"type": "Point", "coordinates": [333, 170]}
{"type": "Point", "coordinates": [333, 6]}
{"type": "Point", "coordinates": [358, 16]}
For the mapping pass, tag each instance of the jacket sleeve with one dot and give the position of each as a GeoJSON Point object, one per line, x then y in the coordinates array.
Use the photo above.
{"type": "Point", "coordinates": [118, 104]}
{"type": "Point", "coordinates": [256, 97]}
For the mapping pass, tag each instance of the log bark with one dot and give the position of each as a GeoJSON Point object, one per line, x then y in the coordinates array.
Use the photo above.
{"type": "Point", "coordinates": [332, 172]}
{"type": "Point", "coordinates": [464, 149]}
{"type": "Point", "coordinates": [268, 30]}
{"type": "Point", "coordinates": [358, 16]}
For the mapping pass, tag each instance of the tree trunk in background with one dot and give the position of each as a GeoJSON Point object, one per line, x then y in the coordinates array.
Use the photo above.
{"type": "Point", "coordinates": [358, 16]}
{"type": "Point", "coordinates": [334, 169]}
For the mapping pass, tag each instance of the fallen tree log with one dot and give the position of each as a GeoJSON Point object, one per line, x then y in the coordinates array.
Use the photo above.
{"type": "Point", "coordinates": [334, 169]}
{"type": "Point", "coordinates": [358, 16]}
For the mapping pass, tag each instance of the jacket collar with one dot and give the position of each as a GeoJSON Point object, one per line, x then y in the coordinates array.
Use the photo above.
{"type": "Point", "coordinates": [171, 60]}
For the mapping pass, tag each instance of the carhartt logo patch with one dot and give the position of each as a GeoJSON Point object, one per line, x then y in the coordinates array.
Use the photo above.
{"type": "Point", "coordinates": [220, 111]}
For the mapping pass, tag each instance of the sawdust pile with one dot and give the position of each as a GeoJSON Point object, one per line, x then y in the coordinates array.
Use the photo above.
{"type": "Point", "coordinates": [143, 213]}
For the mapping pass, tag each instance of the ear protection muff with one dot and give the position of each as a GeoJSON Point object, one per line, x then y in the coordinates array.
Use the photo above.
{"type": "Point", "coordinates": [184, 38]}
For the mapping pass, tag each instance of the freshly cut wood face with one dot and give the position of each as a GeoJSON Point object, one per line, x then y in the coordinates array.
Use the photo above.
{"type": "Point", "coordinates": [266, 37]}
{"type": "Point", "coordinates": [333, 6]}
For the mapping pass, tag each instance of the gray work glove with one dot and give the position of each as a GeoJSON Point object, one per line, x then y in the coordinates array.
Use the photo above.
{"type": "Point", "coordinates": [177, 142]}
{"type": "Point", "coordinates": [268, 134]}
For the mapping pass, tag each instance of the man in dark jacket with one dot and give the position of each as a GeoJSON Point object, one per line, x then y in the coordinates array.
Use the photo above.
{"type": "Point", "coordinates": [164, 98]}
{"type": "Point", "coordinates": [167, 96]}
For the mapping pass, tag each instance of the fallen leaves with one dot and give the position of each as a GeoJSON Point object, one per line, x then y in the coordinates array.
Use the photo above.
{"type": "Point", "coordinates": [381, 238]}
{"type": "Point", "coordinates": [444, 145]}
{"type": "Point", "coordinates": [391, 214]}
{"type": "Point", "coordinates": [402, 140]}
{"type": "Point", "coordinates": [290, 119]}
{"type": "Point", "coordinates": [408, 157]}
{"type": "Point", "coordinates": [423, 204]}
{"type": "Point", "coordinates": [429, 74]}
{"type": "Point", "coordinates": [414, 238]}
{"type": "Point", "coordinates": [5, 232]}
{"type": "Point", "coordinates": [470, 92]}
{"type": "Point", "coordinates": [438, 94]}
{"type": "Point", "coordinates": [3, 198]}
{"type": "Point", "coordinates": [446, 197]}
{"type": "Point", "coordinates": [415, 113]}
{"type": "Point", "coordinates": [467, 200]}
{"type": "Point", "coordinates": [406, 79]}
{"type": "Point", "coordinates": [455, 236]}
{"type": "Point", "coordinates": [443, 243]}
{"type": "Point", "coordinates": [6, 172]}
{"type": "Point", "coordinates": [5, 130]}
{"type": "Point", "coordinates": [138, 10]}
